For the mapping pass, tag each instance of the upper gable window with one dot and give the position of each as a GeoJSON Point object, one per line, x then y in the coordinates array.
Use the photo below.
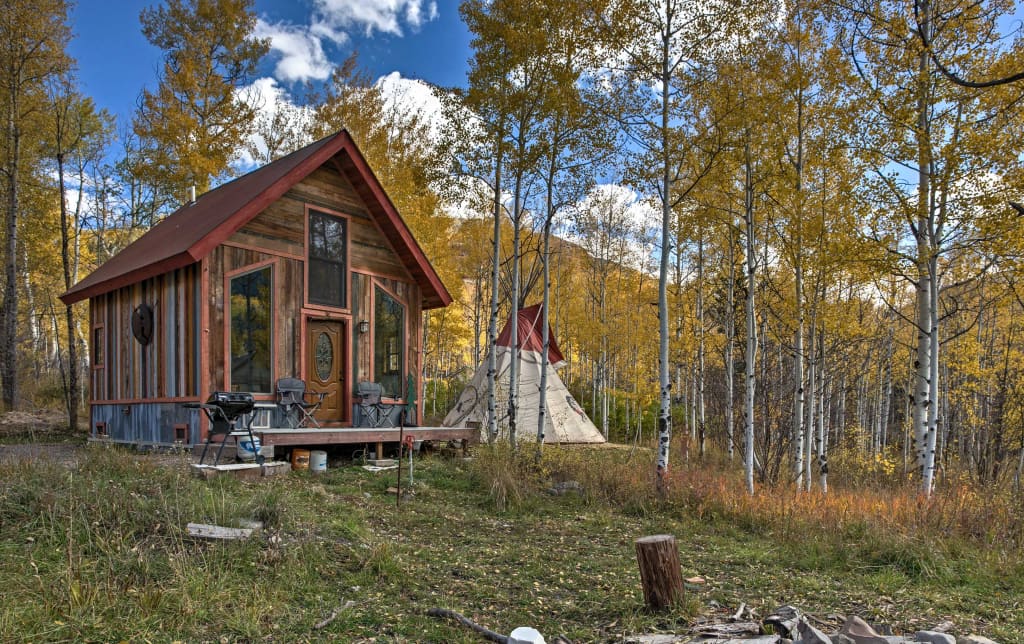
{"type": "Point", "coordinates": [328, 260]}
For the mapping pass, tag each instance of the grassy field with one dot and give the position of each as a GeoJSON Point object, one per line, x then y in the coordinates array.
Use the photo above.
{"type": "Point", "coordinates": [99, 552]}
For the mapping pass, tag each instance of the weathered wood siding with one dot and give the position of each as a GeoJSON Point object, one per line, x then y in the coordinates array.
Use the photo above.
{"type": "Point", "coordinates": [168, 367]}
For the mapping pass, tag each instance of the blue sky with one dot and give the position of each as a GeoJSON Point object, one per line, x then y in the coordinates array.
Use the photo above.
{"type": "Point", "coordinates": [422, 39]}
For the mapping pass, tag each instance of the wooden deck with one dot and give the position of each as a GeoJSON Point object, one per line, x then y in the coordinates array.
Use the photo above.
{"type": "Point", "coordinates": [349, 435]}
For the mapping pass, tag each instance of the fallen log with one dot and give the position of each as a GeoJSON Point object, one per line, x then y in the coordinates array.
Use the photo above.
{"type": "Point", "coordinates": [465, 621]}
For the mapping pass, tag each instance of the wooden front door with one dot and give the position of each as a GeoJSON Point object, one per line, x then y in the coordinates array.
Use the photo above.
{"type": "Point", "coordinates": [326, 366]}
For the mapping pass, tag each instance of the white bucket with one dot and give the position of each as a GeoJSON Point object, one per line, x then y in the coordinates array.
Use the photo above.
{"type": "Point", "coordinates": [246, 449]}
{"type": "Point", "coordinates": [318, 461]}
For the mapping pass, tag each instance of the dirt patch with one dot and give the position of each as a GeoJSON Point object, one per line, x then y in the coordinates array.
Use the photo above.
{"type": "Point", "coordinates": [15, 424]}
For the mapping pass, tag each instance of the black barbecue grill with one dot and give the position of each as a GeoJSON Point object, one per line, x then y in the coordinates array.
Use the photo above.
{"type": "Point", "coordinates": [224, 409]}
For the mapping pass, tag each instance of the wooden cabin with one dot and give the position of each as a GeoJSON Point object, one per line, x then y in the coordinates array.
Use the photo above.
{"type": "Point", "coordinates": [302, 268]}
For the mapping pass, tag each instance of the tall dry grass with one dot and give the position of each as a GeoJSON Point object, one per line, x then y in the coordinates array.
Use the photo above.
{"type": "Point", "coordinates": [868, 524]}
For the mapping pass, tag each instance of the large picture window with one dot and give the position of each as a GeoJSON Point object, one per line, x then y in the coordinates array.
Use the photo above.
{"type": "Point", "coordinates": [250, 343]}
{"type": "Point", "coordinates": [327, 260]}
{"type": "Point", "coordinates": [388, 343]}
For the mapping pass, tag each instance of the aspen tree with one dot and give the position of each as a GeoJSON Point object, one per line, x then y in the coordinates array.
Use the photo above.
{"type": "Point", "coordinates": [77, 134]}
{"type": "Point", "coordinates": [918, 118]}
{"type": "Point", "coordinates": [662, 47]}
{"type": "Point", "coordinates": [195, 123]}
{"type": "Point", "coordinates": [33, 39]}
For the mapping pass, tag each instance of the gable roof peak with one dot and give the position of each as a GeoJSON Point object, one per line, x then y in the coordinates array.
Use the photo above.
{"type": "Point", "coordinates": [195, 229]}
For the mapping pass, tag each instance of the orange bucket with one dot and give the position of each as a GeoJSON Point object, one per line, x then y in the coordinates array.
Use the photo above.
{"type": "Point", "coordinates": [300, 459]}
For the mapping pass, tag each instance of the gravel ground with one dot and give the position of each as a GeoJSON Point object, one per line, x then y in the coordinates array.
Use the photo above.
{"type": "Point", "coordinates": [69, 453]}
{"type": "Point", "coordinates": [63, 453]}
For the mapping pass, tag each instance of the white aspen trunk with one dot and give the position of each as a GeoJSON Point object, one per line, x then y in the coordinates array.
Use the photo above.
{"type": "Point", "coordinates": [730, 362]}
{"type": "Point", "coordinates": [798, 382]}
{"type": "Point", "coordinates": [750, 261]}
{"type": "Point", "coordinates": [828, 415]}
{"type": "Point", "coordinates": [609, 397]}
{"type": "Point", "coordinates": [492, 325]}
{"type": "Point", "coordinates": [12, 207]}
{"type": "Point", "coordinates": [629, 409]}
{"type": "Point", "coordinates": [513, 367]}
{"type": "Point", "coordinates": [930, 458]}
{"type": "Point", "coordinates": [701, 427]}
{"type": "Point", "coordinates": [664, 384]}
{"type": "Point", "coordinates": [907, 430]}
{"type": "Point", "coordinates": [809, 440]}
{"type": "Point", "coordinates": [478, 307]}
{"type": "Point", "coordinates": [873, 439]}
{"type": "Point", "coordinates": [822, 442]}
{"type": "Point", "coordinates": [886, 393]}
{"type": "Point", "coordinates": [678, 381]}
{"type": "Point", "coordinates": [798, 291]}
{"type": "Point", "coordinates": [944, 421]}
{"type": "Point", "coordinates": [922, 367]}
{"type": "Point", "coordinates": [927, 345]}
{"type": "Point", "coordinates": [693, 405]}
{"type": "Point", "coordinates": [542, 403]}
{"type": "Point", "coordinates": [39, 344]}
{"type": "Point", "coordinates": [684, 390]}
{"type": "Point", "coordinates": [604, 357]}
{"type": "Point", "coordinates": [841, 411]}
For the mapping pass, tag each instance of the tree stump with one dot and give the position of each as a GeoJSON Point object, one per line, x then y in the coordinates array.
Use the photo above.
{"type": "Point", "coordinates": [660, 573]}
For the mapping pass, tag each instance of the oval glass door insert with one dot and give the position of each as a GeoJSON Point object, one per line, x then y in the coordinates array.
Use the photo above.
{"type": "Point", "coordinates": [324, 357]}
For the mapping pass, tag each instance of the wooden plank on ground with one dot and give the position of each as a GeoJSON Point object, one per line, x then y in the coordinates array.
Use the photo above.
{"type": "Point", "coordinates": [206, 531]}
{"type": "Point", "coordinates": [248, 471]}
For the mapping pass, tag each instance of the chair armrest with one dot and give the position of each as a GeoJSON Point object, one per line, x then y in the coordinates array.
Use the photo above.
{"type": "Point", "coordinates": [316, 396]}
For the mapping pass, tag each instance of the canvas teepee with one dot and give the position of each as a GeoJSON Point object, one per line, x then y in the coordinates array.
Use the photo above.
{"type": "Point", "coordinates": [565, 421]}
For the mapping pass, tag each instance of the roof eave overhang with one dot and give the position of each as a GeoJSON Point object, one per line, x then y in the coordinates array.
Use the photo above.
{"type": "Point", "coordinates": [435, 294]}
{"type": "Point", "coordinates": [174, 262]}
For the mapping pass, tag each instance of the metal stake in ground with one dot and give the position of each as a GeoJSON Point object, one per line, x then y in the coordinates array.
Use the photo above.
{"type": "Point", "coordinates": [660, 573]}
{"type": "Point", "coordinates": [409, 441]}
{"type": "Point", "coordinates": [401, 431]}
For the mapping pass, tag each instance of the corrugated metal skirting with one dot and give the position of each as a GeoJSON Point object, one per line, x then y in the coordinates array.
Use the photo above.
{"type": "Point", "coordinates": [146, 423]}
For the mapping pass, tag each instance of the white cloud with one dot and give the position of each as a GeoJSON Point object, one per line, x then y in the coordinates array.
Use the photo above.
{"type": "Point", "coordinates": [411, 97]}
{"type": "Point", "coordinates": [271, 100]}
{"type": "Point", "coordinates": [384, 16]}
{"type": "Point", "coordinates": [615, 216]}
{"type": "Point", "coordinates": [300, 48]}
{"type": "Point", "coordinates": [301, 51]}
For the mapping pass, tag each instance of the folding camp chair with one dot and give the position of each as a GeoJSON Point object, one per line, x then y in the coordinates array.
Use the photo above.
{"type": "Point", "coordinates": [372, 412]}
{"type": "Point", "coordinates": [298, 404]}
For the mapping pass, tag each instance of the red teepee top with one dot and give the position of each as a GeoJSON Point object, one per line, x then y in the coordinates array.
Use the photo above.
{"type": "Point", "coordinates": [530, 334]}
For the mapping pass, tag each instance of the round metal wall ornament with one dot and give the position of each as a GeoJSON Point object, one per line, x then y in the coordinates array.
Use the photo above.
{"type": "Point", "coordinates": [142, 323]}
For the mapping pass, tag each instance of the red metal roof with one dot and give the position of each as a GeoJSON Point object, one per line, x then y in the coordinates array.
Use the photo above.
{"type": "Point", "coordinates": [529, 331]}
{"type": "Point", "coordinates": [191, 232]}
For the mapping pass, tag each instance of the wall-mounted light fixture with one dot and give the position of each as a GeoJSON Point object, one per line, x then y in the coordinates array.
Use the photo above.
{"type": "Point", "coordinates": [364, 326]}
